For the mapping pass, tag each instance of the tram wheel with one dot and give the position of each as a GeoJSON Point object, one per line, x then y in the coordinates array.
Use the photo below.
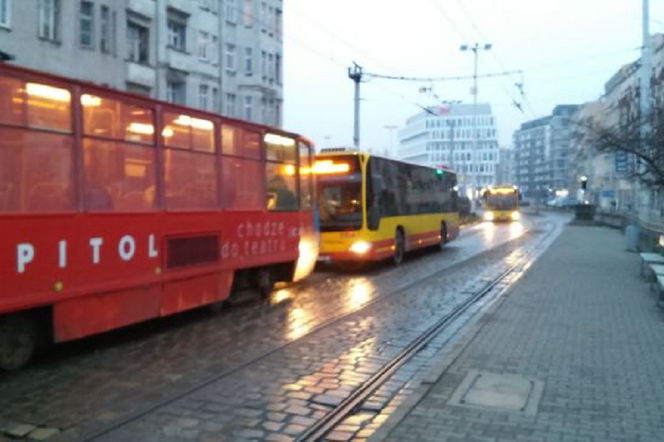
{"type": "Point", "coordinates": [399, 247]}
{"type": "Point", "coordinates": [443, 236]}
{"type": "Point", "coordinates": [18, 340]}
{"type": "Point", "coordinates": [265, 282]}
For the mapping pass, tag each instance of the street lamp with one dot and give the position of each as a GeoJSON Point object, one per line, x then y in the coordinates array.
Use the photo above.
{"type": "Point", "coordinates": [476, 48]}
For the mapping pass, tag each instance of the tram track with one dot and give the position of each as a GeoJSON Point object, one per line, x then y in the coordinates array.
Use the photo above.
{"type": "Point", "coordinates": [353, 403]}
{"type": "Point", "coordinates": [384, 373]}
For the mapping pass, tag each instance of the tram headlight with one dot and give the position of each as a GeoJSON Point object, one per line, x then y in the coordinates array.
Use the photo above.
{"type": "Point", "coordinates": [488, 216]}
{"type": "Point", "coordinates": [360, 247]}
{"type": "Point", "coordinates": [516, 216]}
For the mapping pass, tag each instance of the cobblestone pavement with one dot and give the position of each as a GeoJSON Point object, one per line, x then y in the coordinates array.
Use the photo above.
{"type": "Point", "coordinates": [85, 385]}
{"type": "Point", "coordinates": [283, 394]}
{"type": "Point", "coordinates": [584, 326]}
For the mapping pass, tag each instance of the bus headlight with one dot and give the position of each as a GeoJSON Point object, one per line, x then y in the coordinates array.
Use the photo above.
{"type": "Point", "coordinates": [360, 247]}
{"type": "Point", "coordinates": [488, 216]}
{"type": "Point", "coordinates": [516, 216]}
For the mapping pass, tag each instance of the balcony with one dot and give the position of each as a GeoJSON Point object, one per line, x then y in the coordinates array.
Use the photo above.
{"type": "Point", "coordinates": [141, 7]}
{"type": "Point", "coordinates": [140, 74]}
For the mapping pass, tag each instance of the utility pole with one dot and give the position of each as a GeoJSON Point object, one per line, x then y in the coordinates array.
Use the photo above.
{"type": "Point", "coordinates": [355, 74]}
{"type": "Point", "coordinates": [645, 103]}
{"type": "Point", "coordinates": [476, 49]}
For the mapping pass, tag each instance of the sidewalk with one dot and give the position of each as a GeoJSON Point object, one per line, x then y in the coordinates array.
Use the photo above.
{"type": "Point", "coordinates": [575, 352]}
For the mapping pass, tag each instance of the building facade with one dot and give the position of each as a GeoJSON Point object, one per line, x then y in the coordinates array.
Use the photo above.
{"type": "Point", "coordinates": [505, 166]}
{"type": "Point", "coordinates": [542, 154]}
{"type": "Point", "coordinates": [223, 56]}
{"type": "Point", "coordinates": [444, 136]}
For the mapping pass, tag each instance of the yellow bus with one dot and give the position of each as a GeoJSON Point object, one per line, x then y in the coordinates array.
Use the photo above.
{"type": "Point", "coordinates": [373, 208]}
{"type": "Point", "coordinates": [501, 203]}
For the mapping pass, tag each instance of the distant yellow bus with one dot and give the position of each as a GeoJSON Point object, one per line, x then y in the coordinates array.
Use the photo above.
{"type": "Point", "coordinates": [501, 203]}
{"type": "Point", "coordinates": [373, 208]}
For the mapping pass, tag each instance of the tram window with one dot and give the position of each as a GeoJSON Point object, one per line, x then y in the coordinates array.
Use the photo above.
{"type": "Point", "coordinates": [202, 134]}
{"type": "Point", "coordinates": [48, 107]}
{"type": "Point", "coordinates": [281, 149]}
{"type": "Point", "coordinates": [229, 139]}
{"type": "Point", "coordinates": [12, 100]}
{"type": "Point", "coordinates": [186, 132]}
{"type": "Point", "coordinates": [36, 171]}
{"type": "Point", "coordinates": [119, 176]}
{"type": "Point", "coordinates": [138, 124]}
{"type": "Point", "coordinates": [281, 187]}
{"type": "Point", "coordinates": [176, 131]}
{"type": "Point", "coordinates": [240, 142]}
{"type": "Point", "coordinates": [190, 180]}
{"type": "Point", "coordinates": [243, 189]}
{"type": "Point", "coordinates": [109, 118]}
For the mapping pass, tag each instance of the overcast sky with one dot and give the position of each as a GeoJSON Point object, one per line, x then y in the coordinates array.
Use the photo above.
{"type": "Point", "coordinates": [567, 50]}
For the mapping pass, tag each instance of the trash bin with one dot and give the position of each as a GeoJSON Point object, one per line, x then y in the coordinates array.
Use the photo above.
{"type": "Point", "coordinates": [584, 212]}
{"type": "Point", "coordinates": [632, 237]}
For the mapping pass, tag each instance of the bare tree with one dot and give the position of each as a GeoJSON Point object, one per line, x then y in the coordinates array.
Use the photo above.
{"type": "Point", "coordinates": [646, 147]}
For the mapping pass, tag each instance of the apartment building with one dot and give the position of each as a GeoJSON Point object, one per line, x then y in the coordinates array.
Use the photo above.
{"type": "Point", "coordinates": [223, 56]}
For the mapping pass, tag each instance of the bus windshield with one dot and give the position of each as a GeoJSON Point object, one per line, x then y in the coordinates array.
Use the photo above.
{"type": "Point", "coordinates": [502, 202]}
{"type": "Point", "coordinates": [340, 202]}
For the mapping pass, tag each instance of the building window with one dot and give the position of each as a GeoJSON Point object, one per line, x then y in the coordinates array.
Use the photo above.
{"type": "Point", "coordinates": [176, 92]}
{"type": "Point", "coordinates": [264, 65]}
{"type": "Point", "coordinates": [231, 15]}
{"type": "Point", "coordinates": [230, 105]}
{"type": "Point", "coordinates": [248, 107]}
{"type": "Point", "coordinates": [230, 58]}
{"type": "Point", "coordinates": [49, 19]}
{"type": "Point", "coordinates": [203, 41]}
{"type": "Point", "coordinates": [5, 13]}
{"type": "Point", "coordinates": [106, 31]}
{"type": "Point", "coordinates": [270, 65]}
{"type": "Point", "coordinates": [248, 13]}
{"type": "Point", "coordinates": [215, 99]}
{"type": "Point", "coordinates": [203, 96]}
{"type": "Point", "coordinates": [277, 67]}
{"type": "Point", "coordinates": [248, 61]}
{"type": "Point", "coordinates": [177, 32]}
{"type": "Point", "coordinates": [87, 24]}
{"type": "Point", "coordinates": [212, 50]}
{"type": "Point", "coordinates": [278, 20]}
{"type": "Point", "coordinates": [137, 43]}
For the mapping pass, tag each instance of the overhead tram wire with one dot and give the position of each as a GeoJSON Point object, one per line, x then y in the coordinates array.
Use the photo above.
{"type": "Point", "coordinates": [520, 84]}
{"type": "Point", "coordinates": [320, 54]}
{"type": "Point", "coordinates": [461, 35]}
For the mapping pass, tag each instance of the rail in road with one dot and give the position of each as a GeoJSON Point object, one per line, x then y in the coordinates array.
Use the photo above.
{"type": "Point", "coordinates": [362, 309]}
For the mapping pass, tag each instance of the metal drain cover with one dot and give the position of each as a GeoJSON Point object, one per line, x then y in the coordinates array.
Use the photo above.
{"type": "Point", "coordinates": [501, 392]}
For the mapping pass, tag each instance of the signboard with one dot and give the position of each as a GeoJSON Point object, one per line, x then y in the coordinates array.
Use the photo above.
{"type": "Point", "coordinates": [621, 162]}
{"type": "Point", "coordinates": [608, 194]}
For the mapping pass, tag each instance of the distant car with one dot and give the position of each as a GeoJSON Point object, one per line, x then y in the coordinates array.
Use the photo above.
{"type": "Point", "coordinates": [570, 201]}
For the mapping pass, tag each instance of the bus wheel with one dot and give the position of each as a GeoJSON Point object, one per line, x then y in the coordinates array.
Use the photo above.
{"type": "Point", "coordinates": [265, 282]}
{"type": "Point", "coordinates": [399, 247]}
{"type": "Point", "coordinates": [18, 340]}
{"type": "Point", "coordinates": [443, 236]}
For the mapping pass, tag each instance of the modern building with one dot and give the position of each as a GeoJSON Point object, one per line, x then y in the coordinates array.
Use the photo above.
{"type": "Point", "coordinates": [223, 56]}
{"type": "Point", "coordinates": [542, 154]}
{"type": "Point", "coordinates": [443, 135]}
{"type": "Point", "coordinates": [505, 166]}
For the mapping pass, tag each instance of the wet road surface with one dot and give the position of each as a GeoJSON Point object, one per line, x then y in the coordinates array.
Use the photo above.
{"type": "Point", "coordinates": [341, 328]}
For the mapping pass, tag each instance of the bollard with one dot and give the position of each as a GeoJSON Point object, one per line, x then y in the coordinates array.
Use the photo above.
{"type": "Point", "coordinates": [632, 237]}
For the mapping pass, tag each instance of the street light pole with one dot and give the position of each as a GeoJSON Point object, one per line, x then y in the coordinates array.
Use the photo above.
{"type": "Point", "coordinates": [476, 49]}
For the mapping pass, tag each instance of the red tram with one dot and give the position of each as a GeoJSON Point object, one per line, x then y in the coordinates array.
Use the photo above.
{"type": "Point", "coordinates": [116, 208]}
